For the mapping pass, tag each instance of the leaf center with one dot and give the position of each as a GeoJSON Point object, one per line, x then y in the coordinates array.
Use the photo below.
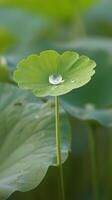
{"type": "Point", "coordinates": [55, 79]}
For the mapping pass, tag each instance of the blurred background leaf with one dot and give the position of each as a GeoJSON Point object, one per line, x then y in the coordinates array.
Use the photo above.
{"type": "Point", "coordinates": [30, 128]}
{"type": "Point", "coordinates": [5, 72]}
{"type": "Point", "coordinates": [6, 39]}
{"type": "Point", "coordinates": [64, 9]}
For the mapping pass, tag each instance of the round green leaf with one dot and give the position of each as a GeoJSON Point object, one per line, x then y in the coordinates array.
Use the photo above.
{"type": "Point", "coordinates": [37, 71]}
{"type": "Point", "coordinates": [27, 141]}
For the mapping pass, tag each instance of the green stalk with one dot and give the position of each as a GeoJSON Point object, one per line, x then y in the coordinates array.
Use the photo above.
{"type": "Point", "coordinates": [58, 146]}
{"type": "Point", "coordinates": [94, 173]}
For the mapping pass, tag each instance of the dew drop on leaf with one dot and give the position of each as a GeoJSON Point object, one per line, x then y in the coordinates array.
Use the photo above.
{"type": "Point", "coordinates": [55, 79]}
{"type": "Point", "coordinates": [72, 81]}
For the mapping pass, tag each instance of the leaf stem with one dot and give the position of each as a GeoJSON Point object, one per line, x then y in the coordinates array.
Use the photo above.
{"type": "Point", "coordinates": [92, 147]}
{"type": "Point", "coordinates": [58, 146]}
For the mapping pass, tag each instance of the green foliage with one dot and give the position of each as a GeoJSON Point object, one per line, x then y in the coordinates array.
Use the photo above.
{"type": "Point", "coordinates": [27, 140]}
{"type": "Point", "coordinates": [34, 72]}
{"type": "Point", "coordinates": [5, 74]}
{"type": "Point", "coordinates": [94, 101]}
{"type": "Point", "coordinates": [22, 40]}
{"type": "Point", "coordinates": [6, 40]}
{"type": "Point", "coordinates": [100, 17]}
{"type": "Point", "coordinates": [63, 9]}
{"type": "Point", "coordinates": [68, 26]}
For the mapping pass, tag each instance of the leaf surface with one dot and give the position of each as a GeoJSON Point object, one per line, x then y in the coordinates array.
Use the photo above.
{"type": "Point", "coordinates": [27, 140]}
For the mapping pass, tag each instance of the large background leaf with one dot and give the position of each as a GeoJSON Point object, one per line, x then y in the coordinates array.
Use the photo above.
{"type": "Point", "coordinates": [27, 140]}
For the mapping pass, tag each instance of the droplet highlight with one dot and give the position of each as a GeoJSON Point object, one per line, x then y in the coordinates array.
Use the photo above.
{"type": "Point", "coordinates": [72, 81]}
{"type": "Point", "coordinates": [55, 79]}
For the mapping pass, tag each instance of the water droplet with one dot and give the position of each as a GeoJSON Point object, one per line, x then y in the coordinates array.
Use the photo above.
{"type": "Point", "coordinates": [72, 81]}
{"type": "Point", "coordinates": [55, 79]}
